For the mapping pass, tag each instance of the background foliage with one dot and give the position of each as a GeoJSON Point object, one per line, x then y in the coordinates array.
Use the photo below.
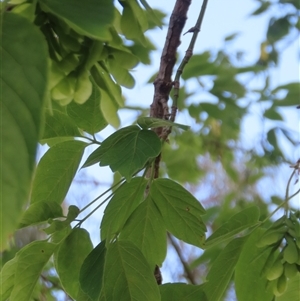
{"type": "Point", "coordinates": [63, 71]}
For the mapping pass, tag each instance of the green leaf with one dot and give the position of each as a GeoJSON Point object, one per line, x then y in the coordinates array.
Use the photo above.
{"type": "Point", "coordinates": [237, 223]}
{"type": "Point", "coordinates": [272, 113]}
{"type": "Point", "coordinates": [180, 210]}
{"type": "Point", "coordinates": [151, 13]}
{"type": "Point", "coordinates": [207, 67]}
{"type": "Point", "coordinates": [127, 275]}
{"type": "Point", "coordinates": [88, 116]}
{"type": "Point", "coordinates": [91, 17]}
{"type": "Point", "coordinates": [58, 124]}
{"type": "Point", "coordinates": [249, 283]}
{"type": "Point", "coordinates": [120, 207]}
{"type": "Point", "coordinates": [130, 22]}
{"type": "Point", "coordinates": [147, 231]}
{"type": "Point", "coordinates": [7, 278]}
{"type": "Point", "coordinates": [181, 292]}
{"type": "Point", "coordinates": [278, 29]}
{"type": "Point", "coordinates": [30, 262]}
{"type": "Point", "coordinates": [150, 122]}
{"type": "Point", "coordinates": [40, 212]}
{"type": "Point", "coordinates": [23, 52]}
{"type": "Point", "coordinates": [91, 272]}
{"type": "Point", "coordinates": [222, 270]}
{"type": "Point", "coordinates": [56, 171]}
{"type": "Point", "coordinates": [69, 259]}
{"type": "Point", "coordinates": [292, 97]}
{"type": "Point", "coordinates": [127, 150]}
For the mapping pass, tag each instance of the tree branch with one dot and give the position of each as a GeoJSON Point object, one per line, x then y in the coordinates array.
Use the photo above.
{"type": "Point", "coordinates": [189, 274]}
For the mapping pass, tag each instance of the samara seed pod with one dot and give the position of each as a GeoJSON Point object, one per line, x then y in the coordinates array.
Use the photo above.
{"type": "Point", "coordinates": [276, 270]}
{"type": "Point", "coordinates": [290, 252]}
{"type": "Point", "coordinates": [271, 237]}
{"type": "Point", "coordinates": [290, 270]}
{"type": "Point", "coordinates": [281, 284]}
{"type": "Point", "coordinates": [83, 89]}
{"type": "Point", "coordinates": [65, 88]}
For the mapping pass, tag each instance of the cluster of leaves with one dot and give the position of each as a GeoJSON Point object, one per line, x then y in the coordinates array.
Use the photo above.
{"type": "Point", "coordinates": [70, 65]}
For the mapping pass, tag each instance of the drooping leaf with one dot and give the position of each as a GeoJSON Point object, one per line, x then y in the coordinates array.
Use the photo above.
{"type": "Point", "coordinates": [69, 259]}
{"type": "Point", "coordinates": [237, 223]}
{"type": "Point", "coordinates": [23, 53]}
{"type": "Point", "coordinates": [249, 283]}
{"type": "Point", "coordinates": [127, 275]}
{"type": "Point", "coordinates": [30, 262]}
{"type": "Point", "coordinates": [120, 207]}
{"type": "Point", "coordinates": [147, 231]}
{"type": "Point", "coordinates": [130, 22]}
{"type": "Point", "coordinates": [182, 292]}
{"type": "Point", "coordinates": [180, 210]}
{"type": "Point", "coordinates": [151, 13]}
{"type": "Point", "coordinates": [127, 150]}
{"type": "Point", "coordinates": [40, 212]}
{"type": "Point", "coordinates": [56, 171]}
{"type": "Point", "coordinates": [91, 18]}
{"type": "Point", "coordinates": [7, 278]}
{"type": "Point", "coordinates": [222, 269]}
{"type": "Point", "coordinates": [88, 116]}
{"type": "Point", "coordinates": [150, 122]}
{"type": "Point", "coordinates": [91, 272]}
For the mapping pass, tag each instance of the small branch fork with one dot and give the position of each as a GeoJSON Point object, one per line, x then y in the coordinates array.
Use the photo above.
{"type": "Point", "coordinates": [163, 82]}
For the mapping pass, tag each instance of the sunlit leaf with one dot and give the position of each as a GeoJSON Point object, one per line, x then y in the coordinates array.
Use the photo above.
{"type": "Point", "coordinates": [180, 210]}
{"type": "Point", "coordinates": [69, 259]}
{"type": "Point", "coordinates": [91, 272]}
{"type": "Point", "coordinates": [23, 83]}
{"type": "Point", "coordinates": [249, 283]}
{"type": "Point", "coordinates": [122, 204]}
{"type": "Point", "coordinates": [222, 269]}
{"type": "Point", "coordinates": [182, 292]}
{"type": "Point", "coordinates": [88, 116]}
{"type": "Point", "coordinates": [146, 230]}
{"type": "Point", "coordinates": [127, 275]}
{"type": "Point", "coordinates": [91, 17]}
{"type": "Point", "coordinates": [56, 171]}
{"type": "Point", "coordinates": [237, 223]}
{"type": "Point", "coordinates": [30, 262]}
{"type": "Point", "coordinates": [126, 151]}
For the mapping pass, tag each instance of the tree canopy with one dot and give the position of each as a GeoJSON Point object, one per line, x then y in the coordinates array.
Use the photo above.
{"type": "Point", "coordinates": [64, 68]}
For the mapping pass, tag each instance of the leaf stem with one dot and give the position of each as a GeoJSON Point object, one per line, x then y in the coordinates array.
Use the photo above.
{"type": "Point", "coordinates": [95, 209]}
{"type": "Point", "coordinates": [287, 191]}
{"type": "Point", "coordinates": [101, 195]}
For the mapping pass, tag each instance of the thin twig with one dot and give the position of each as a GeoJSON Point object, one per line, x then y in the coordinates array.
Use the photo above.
{"type": "Point", "coordinates": [189, 274]}
{"type": "Point", "coordinates": [195, 30]}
